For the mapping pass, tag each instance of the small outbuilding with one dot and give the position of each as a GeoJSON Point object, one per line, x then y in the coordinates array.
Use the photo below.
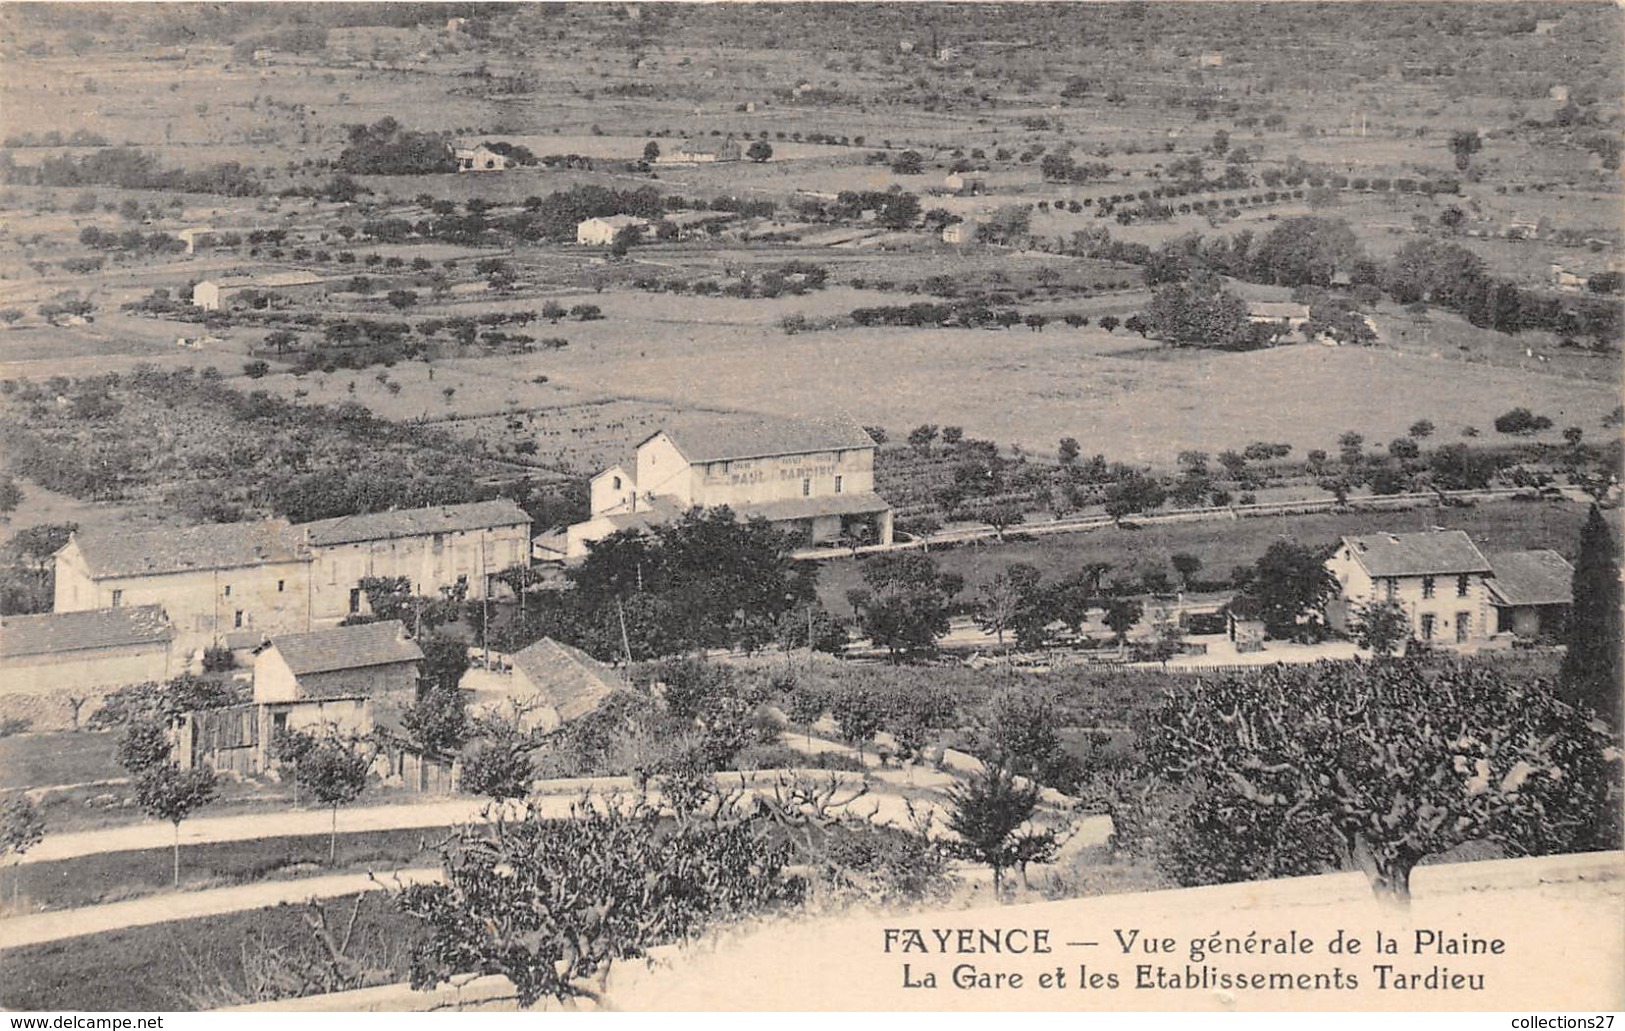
{"type": "Point", "coordinates": [348, 678]}
{"type": "Point", "coordinates": [1532, 592]}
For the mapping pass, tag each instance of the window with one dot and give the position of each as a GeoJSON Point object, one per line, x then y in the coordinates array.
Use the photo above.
{"type": "Point", "coordinates": [1427, 626]}
{"type": "Point", "coordinates": [1461, 585]}
{"type": "Point", "coordinates": [617, 483]}
{"type": "Point", "coordinates": [1464, 626]}
{"type": "Point", "coordinates": [118, 598]}
{"type": "Point", "coordinates": [281, 586]}
{"type": "Point", "coordinates": [237, 620]}
{"type": "Point", "coordinates": [806, 488]}
{"type": "Point", "coordinates": [1427, 586]}
{"type": "Point", "coordinates": [837, 484]}
{"type": "Point", "coordinates": [355, 600]}
{"type": "Point", "coordinates": [228, 590]}
{"type": "Point", "coordinates": [1388, 587]}
{"type": "Point", "coordinates": [439, 542]}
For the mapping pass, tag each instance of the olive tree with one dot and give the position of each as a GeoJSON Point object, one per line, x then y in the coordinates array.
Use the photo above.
{"type": "Point", "coordinates": [21, 828]}
{"type": "Point", "coordinates": [1397, 761]}
{"type": "Point", "coordinates": [552, 904]}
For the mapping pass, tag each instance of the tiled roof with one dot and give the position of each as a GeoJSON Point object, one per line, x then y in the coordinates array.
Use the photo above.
{"type": "Point", "coordinates": [1540, 577]}
{"type": "Point", "coordinates": [1277, 310]}
{"type": "Point", "coordinates": [618, 221]}
{"type": "Point", "coordinates": [572, 681]}
{"type": "Point", "coordinates": [706, 146]}
{"type": "Point", "coordinates": [129, 551]}
{"type": "Point", "coordinates": [415, 522]}
{"type": "Point", "coordinates": [806, 508]}
{"type": "Point", "coordinates": [269, 280]}
{"type": "Point", "coordinates": [764, 437]}
{"type": "Point", "coordinates": [653, 513]}
{"type": "Point", "coordinates": [1438, 552]}
{"type": "Point", "coordinates": [347, 647]}
{"type": "Point", "coordinates": [55, 632]}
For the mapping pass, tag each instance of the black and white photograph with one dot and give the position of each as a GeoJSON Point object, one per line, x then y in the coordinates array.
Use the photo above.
{"type": "Point", "coordinates": [906, 507]}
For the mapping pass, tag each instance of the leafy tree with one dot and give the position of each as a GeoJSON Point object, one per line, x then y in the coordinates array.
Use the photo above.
{"type": "Point", "coordinates": [1397, 760]}
{"type": "Point", "coordinates": [500, 763]}
{"type": "Point", "coordinates": [1521, 421]}
{"type": "Point", "coordinates": [903, 605]}
{"type": "Point", "coordinates": [21, 828]}
{"type": "Point", "coordinates": [1592, 668]}
{"type": "Point", "coordinates": [1020, 734]}
{"type": "Point", "coordinates": [1421, 429]}
{"type": "Point", "coordinates": [1121, 615]}
{"type": "Point", "coordinates": [552, 904]}
{"type": "Point", "coordinates": [1109, 322]}
{"type": "Point", "coordinates": [1464, 143]}
{"type": "Point", "coordinates": [1380, 626]}
{"type": "Point", "coordinates": [759, 151]}
{"type": "Point", "coordinates": [988, 814]}
{"type": "Point", "coordinates": [1068, 451]}
{"type": "Point", "coordinates": [1187, 566]}
{"type": "Point", "coordinates": [857, 714]}
{"type": "Point", "coordinates": [1290, 582]}
{"type": "Point", "coordinates": [1000, 601]}
{"type": "Point", "coordinates": [167, 792]}
{"type": "Point", "coordinates": [1198, 313]}
{"type": "Point", "coordinates": [335, 774]}
{"type": "Point", "coordinates": [909, 162]}
{"type": "Point", "coordinates": [145, 744]}
{"type": "Point", "coordinates": [1306, 250]}
{"type": "Point", "coordinates": [651, 151]}
{"type": "Point", "coordinates": [1133, 492]}
{"type": "Point", "coordinates": [436, 724]}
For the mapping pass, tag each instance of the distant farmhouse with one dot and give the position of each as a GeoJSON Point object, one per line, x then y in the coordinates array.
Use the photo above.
{"type": "Point", "coordinates": [698, 151]}
{"type": "Point", "coordinates": [811, 477]}
{"type": "Point", "coordinates": [1452, 593]}
{"type": "Point", "coordinates": [480, 159]}
{"type": "Point", "coordinates": [1293, 316]}
{"type": "Point", "coordinates": [602, 231]}
{"type": "Point", "coordinates": [217, 294]}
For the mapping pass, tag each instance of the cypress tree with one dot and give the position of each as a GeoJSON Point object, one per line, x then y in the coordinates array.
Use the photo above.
{"type": "Point", "coordinates": [1592, 670]}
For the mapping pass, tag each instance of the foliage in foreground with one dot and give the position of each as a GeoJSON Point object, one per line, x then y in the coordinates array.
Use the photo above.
{"type": "Point", "coordinates": [551, 904]}
{"type": "Point", "coordinates": [1390, 763]}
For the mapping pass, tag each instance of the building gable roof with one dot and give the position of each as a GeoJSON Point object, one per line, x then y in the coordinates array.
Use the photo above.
{"type": "Point", "coordinates": [415, 522]}
{"type": "Point", "coordinates": [617, 221]}
{"type": "Point", "coordinates": [764, 437]}
{"type": "Point", "coordinates": [54, 632]}
{"type": "Point", "coordinates": [118, 551]}
{"type": "Point", "coordinates": [1436, 552]}
{"type": "Point", "coordinates": [572, 681]}
{"type": "Point", "coordinates": [347, 647]}
{"type": "Point", "coordinates": [1541, 577]}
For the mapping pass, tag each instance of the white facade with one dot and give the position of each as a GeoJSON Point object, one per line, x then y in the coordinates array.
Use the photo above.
{"type": "Point", "coordinates": [430, 561]}
{"type": "Point", "coordinates": [814, 480]}
{"type": "Point", "coordinates": [601, 232]}
{"type": "Point", "coordinates": [1447, 605]}
{"type": "Point", "coordinates": [480, 159]}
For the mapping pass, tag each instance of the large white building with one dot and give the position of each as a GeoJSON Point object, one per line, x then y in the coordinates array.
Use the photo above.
{"type": "Point", "coordinates": [1439, 578]}
{"type": "Point", "coordinates": [812, 477]}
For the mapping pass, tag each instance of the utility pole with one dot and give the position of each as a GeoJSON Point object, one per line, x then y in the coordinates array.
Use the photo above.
{"type": "Point", "coordinates": [626, 644]}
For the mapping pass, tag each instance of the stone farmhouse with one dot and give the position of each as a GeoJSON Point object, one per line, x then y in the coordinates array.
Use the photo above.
{"type": "Point", "coordinates": [346, 680]}
{"type": "Point", "coordinates": [223, 584]}
{"type": "Point", "coordinates": [233, 584]}
{"type": "Point", "coordinates": [1451, 593]}
{"type": "Point", "coordinates": [601, 232]}
{"type": "Point", "coordinates": [46, 659]}
{"type": "Point", "coordinates": [1532, 592]}
{"type": "Point", "coordinates": [432, 547]}
{"type": "Point", "coordinates": [547, 684]}
{"type": "Point", "coordinates": [811, 477]}
{"type": "Point", "coordinates": [480, 159]}
{"type": "Point", "coordinates": [702, 152]}
{"type": "Point", "coordinates": [232, 291]}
